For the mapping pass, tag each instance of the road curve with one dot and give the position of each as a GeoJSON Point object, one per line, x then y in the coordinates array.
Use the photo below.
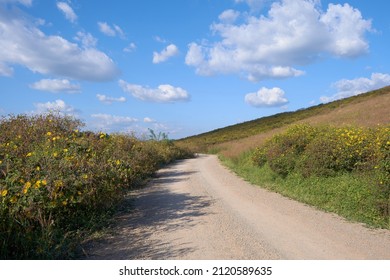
{"type": "Point", "coordinates": [197, 209]}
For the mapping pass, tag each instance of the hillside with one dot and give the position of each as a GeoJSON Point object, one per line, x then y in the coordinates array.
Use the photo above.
{"type": "Point", "coordinates": [367, 109]}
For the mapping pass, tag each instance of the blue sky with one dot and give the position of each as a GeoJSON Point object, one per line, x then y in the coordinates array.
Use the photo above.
{"type": "Point", "coordinates": [187, 67]}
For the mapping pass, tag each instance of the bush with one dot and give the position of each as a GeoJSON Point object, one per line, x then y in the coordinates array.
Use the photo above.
{"type": "Point", "coordinates": [329, 151]}
{"type": "Point", "coordinates": [283, 150]}
{"type": "Point", "coordinates": [55, 179]}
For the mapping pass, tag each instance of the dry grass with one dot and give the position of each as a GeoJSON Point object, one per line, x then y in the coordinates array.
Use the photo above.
{"type": "Point", "coordinates": [368, 113]}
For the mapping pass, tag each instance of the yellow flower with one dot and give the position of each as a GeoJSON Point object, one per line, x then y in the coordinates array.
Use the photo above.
{"type": "Point", "coordinates": [118, 162]}
{"type": "Point", "coordinates": [1, 161]}
{"type": "Point", "coordinates": [58, 183]}
{"type": "Point", "coordinates": [26, 187]}
{"type": "Point", "coordinates": [4, 193]}
{"type": "Point", "coordinates": [38, 168]}
{"type": "Point", "coordinates": [44, 182]}
{"type": "Point", "coordinates": [38, 184]}
{"type": "Point", "coordinates": [48, 133]}
{"type": "Point", "coordinates": [29, 155]}
{"type": "Point", "coordinates": [102, 135]}
{"type": "Point", "coordinates": [64, 203]}
{"type": "Point", "coordinates": [85, 176]}
{"type": "Point", "coordinates": [55, 154]}
{"type": "Point", "coordinates": [65, 150]}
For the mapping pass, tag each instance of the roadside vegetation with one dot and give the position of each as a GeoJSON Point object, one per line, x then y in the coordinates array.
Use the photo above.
{"type": "Point", "coordinates": [335, 156]}
{"type": "Point", "coordinates": [58, 183]}
{"type": "Point", "coordinates": [345, 170]}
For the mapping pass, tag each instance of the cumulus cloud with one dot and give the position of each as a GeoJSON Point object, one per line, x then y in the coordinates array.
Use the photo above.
{"type": "Point", "coordinates": [292, 34]}
{"type": "Point", "coordinates": [111, 31]}
{"type": "Point", "coordinates": [165, 54]}
{"type": "Point", "coordinates": [56, 85]}
{"type": "Point", "coordinates": [67, 11]}
{"type": "Point", "coordinates": [59, 106]}
{"type": "Point", "coordinates": [266, 97]}
{"type": "Point", "coordinates": [23, 43]}
{"type": "Point", "coordinates": [109, 100]}
{"type": "Point", "coordinates": [346, 88]}
{"type": "Point", "coordinates": [162, 94]}
{"type": "Point", "coordinates": [86, 39]}
{"type": "Point", "coordinates": [107, 122]}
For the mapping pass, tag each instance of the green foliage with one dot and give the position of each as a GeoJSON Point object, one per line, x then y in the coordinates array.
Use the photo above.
{"type": "Point", "coordinates": [350, 195]}
{"type": "Point", "coordinates": [324, 152]}
{"type": "Point", "coordinates": [283, 150]}
{"type": "Point", "coordinates": [55, 179]}
{"type": "Point", "coordinates": [161, 136]}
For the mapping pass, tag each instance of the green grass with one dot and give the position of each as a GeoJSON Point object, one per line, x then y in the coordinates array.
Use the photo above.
{"type": "Point", "coordinates": [349, 195]}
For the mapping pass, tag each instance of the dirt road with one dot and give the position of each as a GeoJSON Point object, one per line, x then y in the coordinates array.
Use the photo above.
{"type": "Point", "coordinates": [197, 209]}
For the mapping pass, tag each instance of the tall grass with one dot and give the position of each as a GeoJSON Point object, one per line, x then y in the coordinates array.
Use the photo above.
{"type": "Point", "coordinates": [56, 179]}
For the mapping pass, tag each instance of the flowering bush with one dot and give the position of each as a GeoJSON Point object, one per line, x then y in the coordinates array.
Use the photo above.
{"type": "Point", "coordinates": [55, 178]}
{"type": "Point", "coordinates": [328, 151]}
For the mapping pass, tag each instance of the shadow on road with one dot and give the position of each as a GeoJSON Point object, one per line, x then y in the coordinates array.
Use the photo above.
{"type": "Point", "coordinates": [154, 208]}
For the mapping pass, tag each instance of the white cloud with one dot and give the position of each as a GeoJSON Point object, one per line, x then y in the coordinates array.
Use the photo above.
{"type": "Point", "coordinates": [23, 43]}
{"type": "Point", "coordinates": [346, 88]}
{"type": "Point", "coordinates": [107, 122]}
{"type": "Point", "coordinates": [253, 4]}
{"type": "Point", "coordinates": [56, 85]}
{"type": "Point", "coordinates": [163, 93]}
{"type": "Point", "coordinates": [111, 31]}
{"type": "Point", "coordinates": [131, 47]}
{"type": "Point", "coordinates": [148, 120]}
{"type": "Point", "coordinates": [23, 2]}
{"type": "Point", "coordinates": [165, 54]}
{"type": "Point", "coordinates": [86, 39]}
{"type": "Point", "coordinates": [58, 106]}
{"type": "Point", "coordinates": [159, 39]}
{"type": "Point", "coordinates": [266, 97]}
{"type": "Point", "coordinates": [229, 16]}
{"type": "Point", "coordinates": [67, 11]}
{"type": "Point", "coordinates": [106, 29]}
{"type": "Point", "coordinates": [119, 31]}
{"type": "Point", "coordinates": [109, 100]}
{"type": "Point", "coordinates": [5, 70]}
{"type": "Point", "coordinates": [293, 33]}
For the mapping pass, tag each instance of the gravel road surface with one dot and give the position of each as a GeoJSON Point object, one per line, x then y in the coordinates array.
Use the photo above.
{"type": "Point", "coordinates": [197, 209]}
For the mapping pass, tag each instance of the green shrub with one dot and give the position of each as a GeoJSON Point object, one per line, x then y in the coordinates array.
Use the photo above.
{"type": "Point", "coordinates": [55, 179]}
{"type": "Point", "coordinates": [283, 150]}
{"type": "Point", "coordinates": [331, 151]}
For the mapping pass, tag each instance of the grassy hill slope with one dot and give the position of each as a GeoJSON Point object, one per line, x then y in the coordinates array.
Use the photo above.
{"type": "Point", "coordinates": [368, 109]}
